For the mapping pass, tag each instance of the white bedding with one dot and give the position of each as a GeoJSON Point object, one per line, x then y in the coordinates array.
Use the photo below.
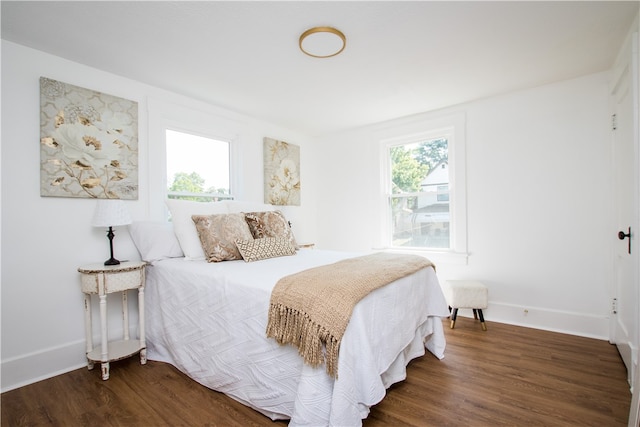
{"type": "Point", "coordinates": [209, 320]}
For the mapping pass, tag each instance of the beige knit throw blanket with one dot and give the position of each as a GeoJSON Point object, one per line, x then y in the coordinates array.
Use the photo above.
{"type": "Point", "coordinates": [312, 308]}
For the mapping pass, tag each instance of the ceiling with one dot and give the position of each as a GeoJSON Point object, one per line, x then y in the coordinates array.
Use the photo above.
{"type": "Point", "coordinates": [401, 58]}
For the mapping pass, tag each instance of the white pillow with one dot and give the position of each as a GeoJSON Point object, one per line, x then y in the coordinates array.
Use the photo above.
{"type": "Point", "coordinates": [185, 229]}
{"type": "Point", "coordinates": [155, 240]}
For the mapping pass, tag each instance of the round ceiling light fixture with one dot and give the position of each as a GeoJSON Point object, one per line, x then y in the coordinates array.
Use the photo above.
{"type": "Point", "coordinates": [322, 42]}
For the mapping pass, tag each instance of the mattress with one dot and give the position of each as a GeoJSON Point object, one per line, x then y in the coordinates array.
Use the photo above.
{"type": "Point", "coordinates": [209, 321]}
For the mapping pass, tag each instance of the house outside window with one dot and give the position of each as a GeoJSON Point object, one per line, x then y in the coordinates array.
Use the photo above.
{"type": "Point", "coordinates": [423, 180]}
{"type": "Point", "coordinates": [197, 167]}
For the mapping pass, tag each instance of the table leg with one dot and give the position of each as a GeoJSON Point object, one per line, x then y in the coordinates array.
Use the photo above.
{"type": "Point", "coordinates": [125, 315]}
{"type": "Point", "coordinates": [143, 342]}
{"type": "Point", "coordinates": [105, 370]}
{"type": "Point", "coordinates": [88, 328]}
{"type": "Point", "coordinates": [104, 343]}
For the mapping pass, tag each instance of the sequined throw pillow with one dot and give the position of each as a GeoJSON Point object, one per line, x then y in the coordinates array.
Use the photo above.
{"type": "Point", "coordinates": [270, 224]}
{"type": "Point", "coordinates": [218, 235]}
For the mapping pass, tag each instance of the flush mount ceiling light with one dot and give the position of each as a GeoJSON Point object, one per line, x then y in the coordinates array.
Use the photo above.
{"type": "Point", "coordinates": [322, 42]}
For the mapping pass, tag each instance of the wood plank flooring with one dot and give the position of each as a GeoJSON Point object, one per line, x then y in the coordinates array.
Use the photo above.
{"type": "Point", "coordinates": [506, 376]}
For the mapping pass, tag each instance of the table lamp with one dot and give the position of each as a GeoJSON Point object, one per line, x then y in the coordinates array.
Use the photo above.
{"type": "Point", "coordinates": [110, 213]}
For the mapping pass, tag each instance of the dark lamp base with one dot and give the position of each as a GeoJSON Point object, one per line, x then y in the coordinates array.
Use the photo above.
{"type": "Point", "coordinates": [112, 260]}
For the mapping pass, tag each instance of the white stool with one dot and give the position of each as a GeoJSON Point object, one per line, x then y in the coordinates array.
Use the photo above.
{"type": "Point", "coordinates": [466, 294]}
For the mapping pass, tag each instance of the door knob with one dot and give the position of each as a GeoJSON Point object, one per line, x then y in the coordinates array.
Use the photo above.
{"type": "Point", "coordinates": [622, 235]}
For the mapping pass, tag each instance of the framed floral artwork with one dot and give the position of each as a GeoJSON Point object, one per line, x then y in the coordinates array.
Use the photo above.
{"type": "Point", "coordinates": [281, 173]}
{"type": "Point", "coordinates": [88, 143]}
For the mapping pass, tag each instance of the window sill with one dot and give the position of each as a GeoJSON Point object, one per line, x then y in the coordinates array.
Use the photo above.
{"type": "Point", "coordinates": [437, 257]}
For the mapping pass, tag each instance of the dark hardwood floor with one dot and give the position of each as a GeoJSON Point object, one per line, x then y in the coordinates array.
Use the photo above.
{"type": "Point", "coordinates": [506, 376]}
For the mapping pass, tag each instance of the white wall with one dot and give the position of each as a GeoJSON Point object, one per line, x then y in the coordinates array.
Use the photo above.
{"type": "Point", "coordinates": [538, 202]}
{"type": "Point", "coordinates": [45, 239]}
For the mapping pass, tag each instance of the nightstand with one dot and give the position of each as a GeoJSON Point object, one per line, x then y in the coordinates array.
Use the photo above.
{"type": "Point", "coordinates": [101, 280]}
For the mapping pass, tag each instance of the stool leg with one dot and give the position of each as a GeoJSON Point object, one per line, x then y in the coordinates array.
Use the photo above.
{"type": "Point", "coordinates": [454, 314]}
{"type": "Point", "coordinates": [475, 314]}
{"type": "Point", "coordinates": [484, 325]}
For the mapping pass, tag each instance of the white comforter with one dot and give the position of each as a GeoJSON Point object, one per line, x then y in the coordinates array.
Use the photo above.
{"type": "Point", "coordinates": [209, 320]}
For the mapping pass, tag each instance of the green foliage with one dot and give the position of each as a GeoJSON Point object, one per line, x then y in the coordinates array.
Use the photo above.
{"type": "Point", "coordinates": [188, 183]}
{"type": "Point", "coordinates": [192, 183]}
{"type": "Point", "coordinates": [406, 172]}
{"type": "Point", "coordinates": [431, 153]}
{"type": "Point", "coordinates": [411, 163]}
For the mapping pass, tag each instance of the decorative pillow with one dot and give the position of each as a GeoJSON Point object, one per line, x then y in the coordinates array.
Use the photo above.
{"type": "Point", "coordinates": [269, 224]}
{"type": "Point", "coordinates": [218, 235]}
{"type": "Point", "coordinates": [155, 240]}
{"type": "Point", "coordinates": [268, 247]}
{"type": "Point", "coordinates": [181, 212]}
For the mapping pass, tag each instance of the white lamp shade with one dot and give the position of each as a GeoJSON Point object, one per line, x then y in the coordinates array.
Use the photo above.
{"type": "Point", "coordinates": [110, 213]}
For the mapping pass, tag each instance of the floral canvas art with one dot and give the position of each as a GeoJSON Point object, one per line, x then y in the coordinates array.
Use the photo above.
{"type": "Point", "coordinates": [88, 143]}
{"type": "Point", "coordinates": [281, 173]}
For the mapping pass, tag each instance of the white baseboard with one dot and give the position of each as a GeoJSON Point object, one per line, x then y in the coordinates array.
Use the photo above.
{"type": "Point", "coordinates": [566, 322]}
{"type": "Point", "coordinates": [38, 366]}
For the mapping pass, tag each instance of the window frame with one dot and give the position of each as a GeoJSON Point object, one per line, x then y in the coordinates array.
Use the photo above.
{"type": "Point", "coordinates": [418, 130]}
{"type": "Point", "coordinates": [203, 122]}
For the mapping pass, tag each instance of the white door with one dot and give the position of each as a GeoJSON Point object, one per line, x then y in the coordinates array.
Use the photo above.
{"type": "Point", "coordinates": [626, 301]}
{"type": "Point", "coordinates": [625, 319]}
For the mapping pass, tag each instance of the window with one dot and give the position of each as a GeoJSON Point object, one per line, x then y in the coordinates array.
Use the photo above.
{"type": "Point", "coordinates": [443, 192]}
{"type": "Point", "coordinates": [419, 199]}
{"type": "Point", "coordinates": [197, 167]}
{"type": "Point", "coordinates": [423, 185]}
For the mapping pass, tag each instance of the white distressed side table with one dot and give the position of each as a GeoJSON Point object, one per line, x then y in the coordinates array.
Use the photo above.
{"type": "Point", "coordinates": [101, 280]}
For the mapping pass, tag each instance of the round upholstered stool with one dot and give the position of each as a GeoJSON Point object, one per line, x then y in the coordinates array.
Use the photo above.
{"type": "Point", "coordinates": [466, 294]}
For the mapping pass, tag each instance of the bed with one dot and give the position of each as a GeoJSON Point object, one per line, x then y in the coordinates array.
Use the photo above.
{"type": "Point", "coordinates": [208, 319]}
